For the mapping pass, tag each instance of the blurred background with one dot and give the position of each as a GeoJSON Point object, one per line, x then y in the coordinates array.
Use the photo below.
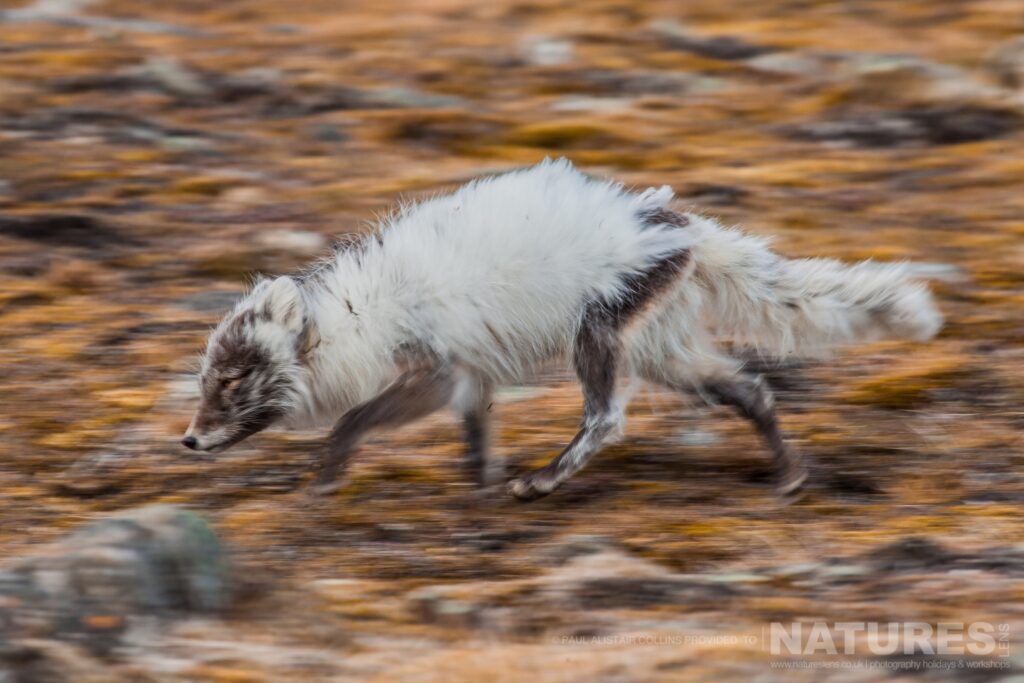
{"type": "Point", "coordinates": [153, 156]}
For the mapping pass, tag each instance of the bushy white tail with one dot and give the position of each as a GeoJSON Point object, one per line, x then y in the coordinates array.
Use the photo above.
{"type": "Point", "coordinates": [780, 307]}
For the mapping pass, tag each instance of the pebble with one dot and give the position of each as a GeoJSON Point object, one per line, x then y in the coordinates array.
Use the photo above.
{"type": "Point", "coordinates": [786, 63]}
{"type": "Point", "coordinates": [841, 570]}
{"type": "Point", "coordinates": [299, 241]}
{"type": "Point", "coordinates": [545, 51]}
{"type": "Point", "coordinates": [695, 438]}
{"type": "Point", "coordinates": [1006, 62]}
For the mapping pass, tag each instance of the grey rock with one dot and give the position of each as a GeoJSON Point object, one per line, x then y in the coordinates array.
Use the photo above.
{"type": "Point", "coordinates": [1006, 62]}
{"type": "Point", "coordinates": [737, 577]}
{"type": "Point", "coordinates": [173, 76]}
{"type": "Point", "coordinates": [679, 37]}
{"type": "Point", "coordinates": [159, 560]}
{"type": "Point", "coordinates": [914, 126]}
{"type": "Point", "coordinates": [72, 230]}
{"type": "Point", "coordinates": [593, 104]}
{"type": "Point", "coordinates": [840, 571]}
{"type": "Point", "coordinates": [793, 570]}
{"type": "Point", "coordinates": [297, 241]}
{"type": "Point", "coordinates": [409, 97]}
{"type": "Point", "coordinates": [210, 302]}
{"type": "Point", "coordinates": [65, 13]}
{"type": "Point", "coordinates": [327, 132]}
{"type": "Point", "coordinates": [786, 64]}
{"type": "Point", "coordinates": [897, 78]}
{"type": "Point", "coordinates": [696, 438]}
{"type": "Point", "coordinates": [432, 606]}
{"type": "Point", "coordinates": [546, 51]}
{"type": "Point", "coordinates": [575, 545]}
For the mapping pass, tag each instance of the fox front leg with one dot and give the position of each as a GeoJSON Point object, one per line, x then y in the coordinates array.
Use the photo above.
{"type": "Point", "coordinates": [415, 394]}
{"type": "Point", "coordinates": [472, 403]}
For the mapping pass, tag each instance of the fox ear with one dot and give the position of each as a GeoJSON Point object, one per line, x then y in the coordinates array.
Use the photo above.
{"type": "Point", "coordinates": [282, 303]}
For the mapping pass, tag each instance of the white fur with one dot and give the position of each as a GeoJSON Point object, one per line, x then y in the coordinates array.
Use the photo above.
{"type": "Point", "coordinates": [493, 278]}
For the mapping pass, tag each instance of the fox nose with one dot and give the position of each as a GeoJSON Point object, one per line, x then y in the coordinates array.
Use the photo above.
{"type": "Point", "coordinates": [190, 442]}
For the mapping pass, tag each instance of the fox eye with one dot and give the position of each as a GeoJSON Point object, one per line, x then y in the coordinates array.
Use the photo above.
{"type": "Point", "coordinates": [228, 382]}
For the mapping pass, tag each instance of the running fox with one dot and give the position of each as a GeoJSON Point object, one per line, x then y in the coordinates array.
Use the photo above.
{"type": "Point", "coordinates": [460, 293]}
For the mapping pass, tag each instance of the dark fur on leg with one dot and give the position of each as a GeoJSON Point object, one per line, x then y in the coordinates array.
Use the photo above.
{"type": "Point", "coordinates": [754, 401]}
{"type": "Point", "coordinates": [415, 394]}
{"type": "Point", "coordinates": [597, 355]}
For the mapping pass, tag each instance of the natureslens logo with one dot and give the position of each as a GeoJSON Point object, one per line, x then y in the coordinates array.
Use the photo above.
{"type": "Point", "coordinates": [980, 638]}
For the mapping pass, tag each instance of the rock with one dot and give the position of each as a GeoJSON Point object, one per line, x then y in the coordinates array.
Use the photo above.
{"type": "Point", "coordinates": [1006, 62]}
{"type": "Point", "coordinates": [317, 101]}
{"type": "Point", "coordinates": [737, 577]}
{"type": "Point", "coordinates": [678, 37]}
{"type": "Point", "coordinates": [912, 553]}
{"type": "Point", "coordinates": [298, 241]}
{"type": "Point", "coordinates": [154, 561]}
{"type": "Point", "coordinates": [719, 195]}
{"type": "Point", "coordinates": [243, 197]}
{"type": "Point", "coordinates": [88, 123]}
{"type": "Point", "coordinates": [73, 230]}
{"type": "Point", "coordinates": [795, 570]}
{"type": "Point", "coordinates": [432, 606]}
{"type": "Point", "coordinates": [209, 302]}
{"type": "Point", "coordinates": [412, 98]}
{"type": "Point", "coordinates": [171, 76]}
{"type": "Point", "coordinates": [636, 593]}
{"type": "Point", "coordinates": [696, 438]}
{"type": "Point", "coordinates": [326, 132]}
{"type": "Point", "coordinates": [593, 104]}
{"type": "Point", "coordinates": [611, 83]}
{"type": "Point", "coordinates": [924, 125]}
{"type": "Point", "coordinates": [915, 554]}
{"type": "Point", "coordinates": [600, 576]}
{"type": "Point", "coordinates": [63, 13]}
{"type": "Point", "coordinates": [545, 51]}
{"type": "Point", "coordinates": [255, 82]}
{"type": "Point", "coordinates": [902, 79]}
{"type": "Point", "coordinates": [52, 661]}
{"type": "Point", "coordinates": [845, 571]}
{"type": "Point", "coordinates": [575, 545]}
{"type": "Point", "coordinates": [786, 64]}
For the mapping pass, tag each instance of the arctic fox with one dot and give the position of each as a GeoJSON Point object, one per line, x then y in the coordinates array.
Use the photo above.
{"type": "Point", "coordinates": [460, 293]}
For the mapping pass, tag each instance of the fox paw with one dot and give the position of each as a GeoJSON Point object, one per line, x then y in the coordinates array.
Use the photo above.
{"type": "Point", "coordinates": [791, 481]}
{"type": "Point", "coordinates": [532, 486]}
{"type": "Point", "coordinates": [321, 488]}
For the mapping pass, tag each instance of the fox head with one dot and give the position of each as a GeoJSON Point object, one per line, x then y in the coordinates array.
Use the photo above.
{"type": "Point", "coordinates": [252, 371]}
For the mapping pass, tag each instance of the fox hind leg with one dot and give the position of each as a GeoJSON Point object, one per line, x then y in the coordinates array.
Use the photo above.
{"type": "Point", "coordinates": [599, 358]}
{"type": "Point", "coordinates": [752, 399]}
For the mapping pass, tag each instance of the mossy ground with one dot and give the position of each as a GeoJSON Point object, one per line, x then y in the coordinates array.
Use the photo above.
{"type": "Point", "coordinates": [191, 147]}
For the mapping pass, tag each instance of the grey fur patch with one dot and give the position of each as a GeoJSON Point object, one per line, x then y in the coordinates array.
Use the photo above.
{"type": "Point", "coordinates": [663, 216]}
